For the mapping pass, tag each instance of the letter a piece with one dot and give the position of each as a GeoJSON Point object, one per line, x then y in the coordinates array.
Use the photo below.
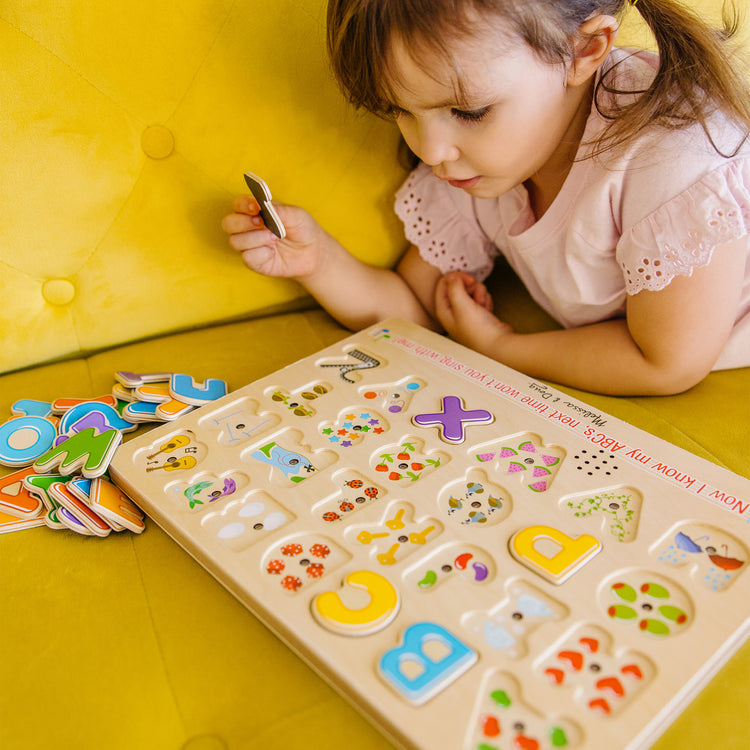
{"type": "Point", "coordinates": [15, 498]}
{"type": "Point", "coordinates": [531, 545]}
{"type": "Point", "coordinates": [86, 451]}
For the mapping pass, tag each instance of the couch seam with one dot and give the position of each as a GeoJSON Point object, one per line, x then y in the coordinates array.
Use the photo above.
{"type": "Point", "coordinates": [76, 72]}
{"type": "Point", "coordinates": [199, 67]}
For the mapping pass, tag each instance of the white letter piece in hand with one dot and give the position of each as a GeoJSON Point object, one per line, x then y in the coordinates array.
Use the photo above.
{"type": "Point", "coordinates": [262, 194]}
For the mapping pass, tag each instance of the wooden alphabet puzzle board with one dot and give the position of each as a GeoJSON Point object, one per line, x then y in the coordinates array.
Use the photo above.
{"type": "Point", "coordinates": [475, 559]}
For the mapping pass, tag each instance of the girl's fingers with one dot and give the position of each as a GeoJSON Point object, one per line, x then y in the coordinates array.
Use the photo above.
{"type": "Point", "coordinates": [472, 288]}
{"type": "Point", "coordinates": [257, 257]}
{"type": "Point", "coordinates": [238, 223]}
{"type": "Point", "coordinates": [482, 297]}
{"type": "Point", "coordinates": [245, 204]}
{"type": "Point", "coordinates": [252, 239]}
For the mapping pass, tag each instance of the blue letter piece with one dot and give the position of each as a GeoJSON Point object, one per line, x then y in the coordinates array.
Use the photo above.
{"type": "Point", "coordinates": [414, 673]}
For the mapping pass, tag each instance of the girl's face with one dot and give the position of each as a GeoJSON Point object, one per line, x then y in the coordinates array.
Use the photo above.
{"type": "Point", "coordinates": [520, 120]}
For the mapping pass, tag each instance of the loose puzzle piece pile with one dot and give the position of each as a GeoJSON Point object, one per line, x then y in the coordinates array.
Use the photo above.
{"type": "Point", "coordinates": [62, 451]}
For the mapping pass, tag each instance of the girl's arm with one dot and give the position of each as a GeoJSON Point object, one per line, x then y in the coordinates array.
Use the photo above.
{"type": "Point", "coordinates": [358, 295]}
{"type": "Point", "coordinates": [353, 292]}
{"type": "Point", "coordinates": [668, 342]}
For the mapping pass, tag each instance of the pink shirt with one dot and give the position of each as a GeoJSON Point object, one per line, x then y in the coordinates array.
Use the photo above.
{"type": "Point", "coordinates": [621, 224]}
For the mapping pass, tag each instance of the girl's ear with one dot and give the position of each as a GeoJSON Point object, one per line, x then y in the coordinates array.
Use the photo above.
{"type": "Point", "coordinates": [593, 43]}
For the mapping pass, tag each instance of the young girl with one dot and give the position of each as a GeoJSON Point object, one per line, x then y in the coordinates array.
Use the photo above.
{"type": "Point", "coordinates": [615, 182]}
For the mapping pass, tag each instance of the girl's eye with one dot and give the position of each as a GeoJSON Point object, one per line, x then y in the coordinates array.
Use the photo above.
{"type": "Point", "coordinates": [471, 115]}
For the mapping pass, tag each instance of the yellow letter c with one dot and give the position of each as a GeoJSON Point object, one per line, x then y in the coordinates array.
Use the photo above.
{"type": "Point", "coordinates": [333, 614]}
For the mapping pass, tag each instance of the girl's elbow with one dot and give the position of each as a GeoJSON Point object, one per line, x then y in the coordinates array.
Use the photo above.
{"type": "Point", "coordinates": [678, 376]}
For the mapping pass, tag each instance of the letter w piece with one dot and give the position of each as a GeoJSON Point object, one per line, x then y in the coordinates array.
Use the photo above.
{"type": "Point", "coordinates": [87, 451]}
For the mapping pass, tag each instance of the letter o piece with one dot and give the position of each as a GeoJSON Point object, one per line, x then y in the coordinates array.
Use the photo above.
{"type": "Point", "coordinates": [25, 439]}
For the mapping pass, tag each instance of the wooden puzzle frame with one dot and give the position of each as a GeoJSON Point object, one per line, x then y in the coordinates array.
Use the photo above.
{"type": "Point", "coordinates": [469, 555]}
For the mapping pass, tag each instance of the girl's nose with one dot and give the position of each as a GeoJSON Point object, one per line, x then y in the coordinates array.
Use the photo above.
{"type": "Point", "coordinates": [431, 141]}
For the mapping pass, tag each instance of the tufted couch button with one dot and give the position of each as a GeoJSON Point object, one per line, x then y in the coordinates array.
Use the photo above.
{"type": "Point", "coordinates": [58, 291]}
{"type": "Point", "coordinates": [157, 142]}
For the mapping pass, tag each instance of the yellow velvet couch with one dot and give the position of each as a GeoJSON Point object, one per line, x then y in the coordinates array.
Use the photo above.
{"type": "Point", "coordinates": [124, 133]}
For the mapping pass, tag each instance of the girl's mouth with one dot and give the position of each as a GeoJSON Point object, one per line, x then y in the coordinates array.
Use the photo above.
{"type": "Point", "coordinates": [464, 184]}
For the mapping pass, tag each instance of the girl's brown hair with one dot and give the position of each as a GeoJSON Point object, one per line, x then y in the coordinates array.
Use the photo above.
{"type": "Point", "coordinates": [696, 74]}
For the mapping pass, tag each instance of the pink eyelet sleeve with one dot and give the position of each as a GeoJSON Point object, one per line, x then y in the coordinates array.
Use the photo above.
{"type": "Point", "coordinates": [681, 235]}
{"type": "Point", "coordinates": [440, 221]}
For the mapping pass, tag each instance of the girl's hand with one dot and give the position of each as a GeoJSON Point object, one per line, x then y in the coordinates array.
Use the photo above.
{"type": "Point", "coordinates": [464, 308]}
{"type": "Point", "coordinates": [298, 255]}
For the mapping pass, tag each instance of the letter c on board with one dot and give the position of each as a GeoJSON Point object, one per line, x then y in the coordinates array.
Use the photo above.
{"type": "Point", "coordinates": [331, 612]}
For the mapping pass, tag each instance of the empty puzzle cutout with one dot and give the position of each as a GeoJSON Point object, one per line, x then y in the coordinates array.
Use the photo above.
{"type": "Point", "coordinates": [352, 361]}
{"type": "Point", "coordinates": [181, 451]}
{"type": "Point", "coordinates": [393, 397]}
{"type": "Point", "coordinates": [398, 534]}
{"type": "Point", "coordinates": [246, 520]}
{"type": "Point", "coordinates": [715, 557]}
{"type": "Point", "coordinates": [290, 462]}
{"type": "Point", "coordinates": [603, 681]}
{"type": "Point", "coordinates": [407, 462]}
{"type": "Point", "coordinates": [302, 559]}
{"type": "Point", "coordinates": [239, 422]}
{"type": "Point", "coordinates": [353, 426]}
{"type": "Point", "coordinates": [619, 509]}
{"type": "Point", "coordinates": [299, 402]}
{"type": "Point", "coordinates": [475, 501]}
{"type": "Point", "coordinates": [647, 602]}
{"type": "Point", "coordinates": [460, 561]}
{"type": "Point", "coordinates": [506, 627]}
{"type": "Point", "coordinates": [204, 489]}
{"type": "Point", "coordinates": [501, 719]}
{"type": "Point", "coordinates": [356, 493]}
{"type": "Point", "coordinates": [524, 456]}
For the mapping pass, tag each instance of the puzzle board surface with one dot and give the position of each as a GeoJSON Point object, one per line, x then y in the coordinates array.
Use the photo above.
{"type": "Point", "coordinates": [475, 559]}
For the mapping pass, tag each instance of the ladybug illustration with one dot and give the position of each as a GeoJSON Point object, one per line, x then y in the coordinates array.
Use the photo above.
{"type": "Point", "coordinates": [315, 570]}
{"type": "Point", "coordinates": [320, 550]}
{"type": "Point", "coordinates": [291, 583]}
{"type": "Point", "coordinates": [291, 550]}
